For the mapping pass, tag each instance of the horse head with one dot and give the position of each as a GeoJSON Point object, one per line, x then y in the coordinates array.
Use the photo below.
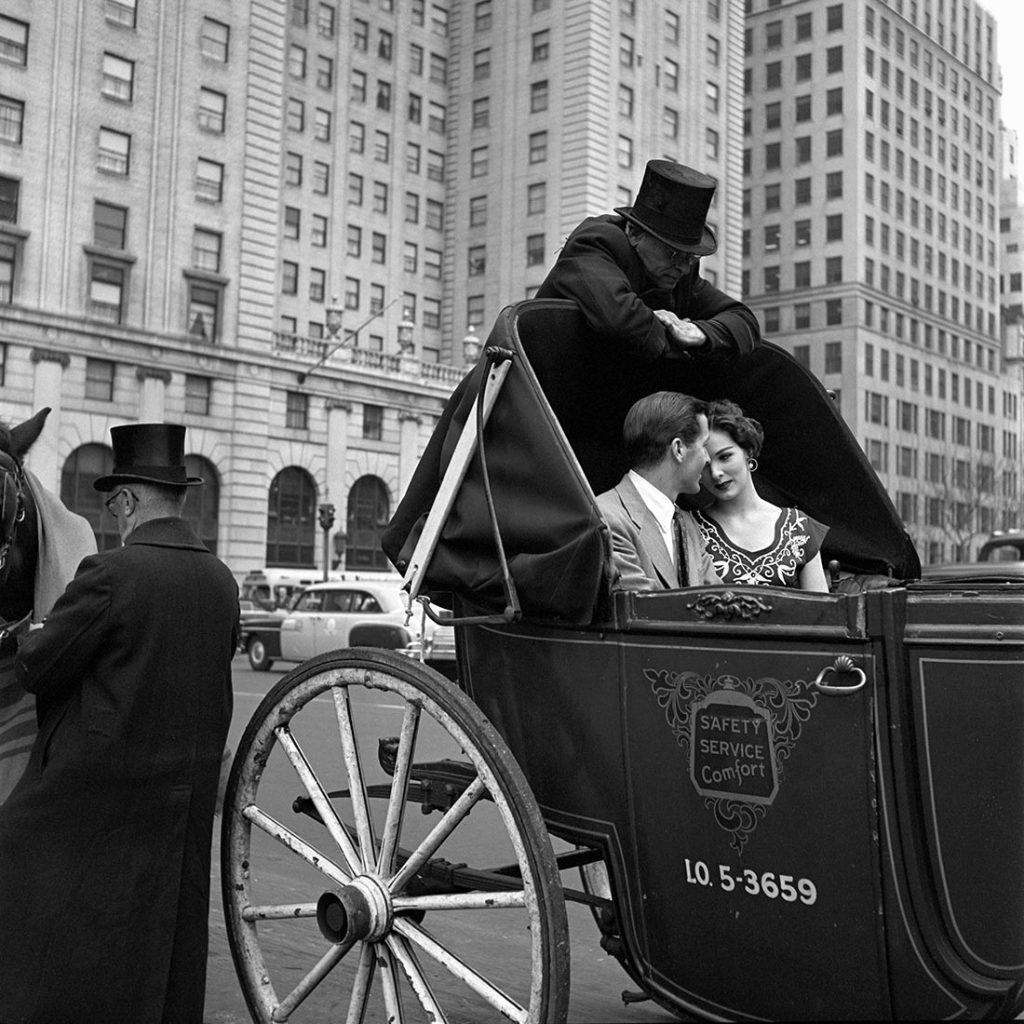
{"type": "Point", "coordinates": [18, 530]}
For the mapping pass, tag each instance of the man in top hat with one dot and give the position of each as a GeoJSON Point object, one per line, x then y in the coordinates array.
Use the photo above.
{"type": "Point", "coordinates": [635, 274]}
{"type": "Point", "coordinates": [105, 841]}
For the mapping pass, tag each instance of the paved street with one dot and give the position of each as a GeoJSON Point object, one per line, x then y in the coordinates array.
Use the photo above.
{"type": "Point", "coordinates": [597, 979]}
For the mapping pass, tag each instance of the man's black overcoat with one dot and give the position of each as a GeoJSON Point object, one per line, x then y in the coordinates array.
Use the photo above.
{"type": "Point", "coordinates": [105, 841]}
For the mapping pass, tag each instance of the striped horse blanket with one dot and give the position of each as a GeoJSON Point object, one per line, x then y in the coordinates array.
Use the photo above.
{"type": "Point", "coordinates": [65, 538]}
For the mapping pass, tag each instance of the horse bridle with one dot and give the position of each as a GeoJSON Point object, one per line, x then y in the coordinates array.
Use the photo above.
{"type": "Point", "coordinates": [12, 504]}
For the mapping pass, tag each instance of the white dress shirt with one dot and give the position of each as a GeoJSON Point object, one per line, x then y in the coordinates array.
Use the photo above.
{"type": "Point", "coordinates": [662, 507]}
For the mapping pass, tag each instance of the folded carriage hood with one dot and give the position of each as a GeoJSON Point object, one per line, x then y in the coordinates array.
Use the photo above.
{"type": "Point", "coordinates": [555, 439]}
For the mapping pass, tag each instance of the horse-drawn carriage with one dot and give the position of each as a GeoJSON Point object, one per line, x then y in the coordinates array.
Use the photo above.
{"type": "Point", "coordinates": [779, 803]}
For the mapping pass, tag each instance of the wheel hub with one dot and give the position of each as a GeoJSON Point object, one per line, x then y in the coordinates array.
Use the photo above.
{"type": "Point", "coordinates": [360, 911]}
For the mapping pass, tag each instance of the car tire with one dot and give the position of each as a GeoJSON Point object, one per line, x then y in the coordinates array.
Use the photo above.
{"type": "Point", "coordinates": [259, 660]}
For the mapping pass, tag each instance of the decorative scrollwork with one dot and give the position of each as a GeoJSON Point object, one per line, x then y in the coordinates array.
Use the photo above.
{"type": "Point", "coordinates": [789, 704]}
{"type": "Point", "coordinates": [729, 605]}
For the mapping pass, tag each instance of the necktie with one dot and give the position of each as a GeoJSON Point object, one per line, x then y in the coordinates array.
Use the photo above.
{"type": "Point", "coordinates": [677, 530]}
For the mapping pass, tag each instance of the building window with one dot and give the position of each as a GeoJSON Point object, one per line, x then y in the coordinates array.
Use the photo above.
{"type": "Point", "coordinates": [834, 18]}
{"type": "Point", "coordinates": [118, 77]}
{"type": "Point", "coordinates": [367, 514]}
{"type": "Point", "coordinates": [318, 231]}
{"type": "Point", "coordinates": [834, 101]}
{"type": "Point", "coordinates": [10, 192]}
{"type": "Point", "coordinates": [203, 311]}
{"type": "Point", "coordinates": [478, 161]}
{"type": "Point", "coordinates": [352, 293]}
{"type": "Point", "coordinates": [214, 39]}
{"type": "Point", "coordinates": [437, 118]}
{"type": "Point", "coordinates": [376, 298]}
{"type": "Point", "coordinates": [802, 108]}
{"type": "Point", "coordinates": [482, 65]}
{"type": "Point", "coordinates": [107, 283]}
{"type": "Point", "coordinates": [477, 211]}
{"type": "Point", "coordinates": [324, 72]}
{"type": "Point", "coordinates": [482, 112]}
{"type": "Point", "coordinates": [114, 149]}
{"type": "Point", "coordinates": [833, 317]}
{"type": "Point", "coordinates": [206, 250]}
{"type": "Point", "coordinates": [538, 147]}
{"type": "Point", "coordinates": [412, 208]}
{"type": "Point", "coordinates": [8, 262]}
{"type": "Point", "coordinates": [297, 61]}
{"type": "Point", "coordinates": [99, 380]}
{"type": "Point", "coordinates": [434, 217]}
{"type": "Point", "coordinates": [482, 16]}
{"type": "Point", "coordinates": [540, 46]}
{"type": "Point", "coordinates": [293, 169]}
{"type": "Point", "coordinates": [477, 260]}
{"type": "Point", "coordinates": [197, 395]}
{"type": "Point", "coordinates": [13, 41]}
{"type": "Point", "coordinates": [378, 247]}
{"type": "Point", "coordinates": [834, 185]}
{"type": "Point", "coordinates": [538, 97]}
{"type": "Point", "coordinates": [536, 197]}
{"type": "Point", "coordinates": [325, 21]}
{"type": "Point", "coordinates": [120, 12]}
{"type": "Point", "coordinates": [292, 221]}
{"type": "Point", "coordinates": [802, 274]}
{"type": "Point", "coordinates": [410, 257]}
{"type": "Point", "coordinates": [212, 111]}
{"type": "Point", "coordinates": [534, 250]}
{"type": "Point", "coordinates": [625, 151]}
{"type": "Point", "coordinates": [296, 410]}
{"type": "Point", "coordinates": [289, 277]}
{"type": "Point", "coordinates": [109, 225]}
{"type": "Point", "coordinates": [291, 519]}
{"type": "Point", "coordinates": [322, 125]}
{"type": "Point", "coordinates": [209, 180]}
{"type": "Point", "coordinates": [432, 263]}
{"type": "Point", "coordinates": [373, 422]}
{"type": "Point", "coordinates": [834, 59]}
{"type": "Point", "coordinates": [321, 177]}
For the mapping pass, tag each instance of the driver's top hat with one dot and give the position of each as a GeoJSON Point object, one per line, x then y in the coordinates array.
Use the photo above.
{"type": "Point", "coordinates": [672, 205]}
{"type": "Point", "coordinates": [148, 452]}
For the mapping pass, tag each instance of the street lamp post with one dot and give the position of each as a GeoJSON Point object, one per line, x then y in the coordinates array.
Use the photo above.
{"type": "Point", "coordinates": [325, 513]}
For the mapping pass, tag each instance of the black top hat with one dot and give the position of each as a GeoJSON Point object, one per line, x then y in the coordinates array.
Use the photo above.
{"type": "Point", "coordinates": [149, 452]}
{"type": "Point", "coordinates": [672, 205]}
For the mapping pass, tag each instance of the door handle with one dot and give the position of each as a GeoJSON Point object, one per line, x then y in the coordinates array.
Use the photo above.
{"type": "Point", "coordinates": [842, 666]}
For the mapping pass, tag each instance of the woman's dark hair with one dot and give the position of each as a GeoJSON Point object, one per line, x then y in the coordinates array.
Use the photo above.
{"type": "Point", "coordinates": [728, 417]}
{"type": "Point", "coordinates": [654, 420]}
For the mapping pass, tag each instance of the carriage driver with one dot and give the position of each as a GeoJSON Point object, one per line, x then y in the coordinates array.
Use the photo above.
{"type": "Point", "coordinates": [655, 544]}
{"type": "Point", "coordinates": [635, 274]}
{"type": "Point", "coordinates": [105, 841]}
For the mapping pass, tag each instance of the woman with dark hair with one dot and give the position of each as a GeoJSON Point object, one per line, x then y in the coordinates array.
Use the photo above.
{"type": "Point", "coordinates": [750, 540]}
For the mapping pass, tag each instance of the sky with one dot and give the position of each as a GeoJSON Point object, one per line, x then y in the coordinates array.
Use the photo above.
{"type": "Point", "coordinates": [1009, 15]}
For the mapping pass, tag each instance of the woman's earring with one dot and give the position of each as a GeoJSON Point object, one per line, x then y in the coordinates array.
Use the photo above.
{"type": "Point", "coordinates": [752, 465]}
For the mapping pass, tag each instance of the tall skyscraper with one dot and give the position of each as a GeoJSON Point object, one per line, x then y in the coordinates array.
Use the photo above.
{"type": "Point", "coordinates": [194, 195]}
{"type": "Point", "coordinates": [871, 243]}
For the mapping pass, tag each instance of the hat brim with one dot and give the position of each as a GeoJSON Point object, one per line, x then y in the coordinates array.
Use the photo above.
{"type": "Point", "coordinates": [108, 483]}
{"type": "Point", "coordinates": [705, 247]}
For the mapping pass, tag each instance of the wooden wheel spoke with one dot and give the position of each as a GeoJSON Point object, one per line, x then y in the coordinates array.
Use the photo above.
{"type": "Point", "coordinates": [404, 954]}
{"type": "Point", "coordinates": [310, 854]}
{"type": "Point", "coordinates": [441, 831]}
{"type": "Point", "coordinates": [457, 967]}
{"type": "Point", "coordinates": [357, 790]}
{"type": "Point", "coordinates": [321, 969]}
{"type": "Point", "coordinates": [318, 795]}
{"type": "Point", "coordinates": [361, 985]}
{"type": "Point", "coordinates": [513, 899]}
{"type": "Point", "coordinates": [399, 788]}
{"type": "Point", "coordinates": [389, 982]}
{"type": "Point", "coordinates": [279, 912]}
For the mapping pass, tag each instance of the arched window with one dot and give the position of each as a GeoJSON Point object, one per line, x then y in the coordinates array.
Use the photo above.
{"type": "Point", "coordinates": [369, 509]}
{"type": "Point", "coordinates": [291, 519]}
{"type": "Point", "coordinates": [202, 503]}
{"type": "Point", "coordinates": [82, 467]}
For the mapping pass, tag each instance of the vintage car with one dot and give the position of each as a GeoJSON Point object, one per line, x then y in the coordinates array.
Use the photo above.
{"type": "Point", "coordinates": [1001, 556]}
{"type": "Point", "coordinates": [321, 617]}
{"type": "Point", "coordinates": [784, 804]}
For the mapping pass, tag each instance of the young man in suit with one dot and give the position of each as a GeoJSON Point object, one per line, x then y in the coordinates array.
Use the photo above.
{"type": "Point", "coordinates": [655, 544]}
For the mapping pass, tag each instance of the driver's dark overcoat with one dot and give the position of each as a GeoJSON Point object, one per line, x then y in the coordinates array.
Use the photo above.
{"type": "Point", "coordinates": [105, 842]}
{"type": "Point", "coordinates": [599, 269]}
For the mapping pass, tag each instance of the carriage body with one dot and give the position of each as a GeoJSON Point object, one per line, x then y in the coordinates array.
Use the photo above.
{"type": "Point", "coordinates": [809, 805]}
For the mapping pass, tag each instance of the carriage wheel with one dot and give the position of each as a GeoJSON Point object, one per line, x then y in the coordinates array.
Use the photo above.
{"type": "Point", "coordinates": [340, 896]}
